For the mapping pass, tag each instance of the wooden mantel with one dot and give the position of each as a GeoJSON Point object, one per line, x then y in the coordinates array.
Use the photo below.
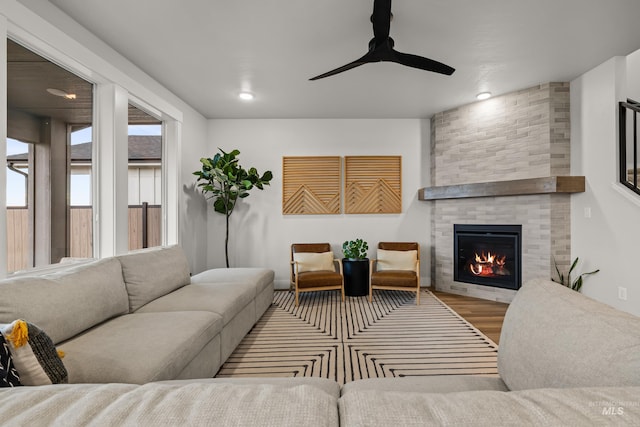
{"type": "Point", "coordinates": [518, 187]}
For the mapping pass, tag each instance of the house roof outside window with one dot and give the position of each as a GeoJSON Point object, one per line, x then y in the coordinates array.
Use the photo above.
{"type": "Point", "coordinates": [142, 149]}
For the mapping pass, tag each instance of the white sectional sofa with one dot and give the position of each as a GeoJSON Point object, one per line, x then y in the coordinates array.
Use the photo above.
{"type": "Point", "coordinates": [564, 360]}
{"type": "Point", "coordinates": [139, 317]}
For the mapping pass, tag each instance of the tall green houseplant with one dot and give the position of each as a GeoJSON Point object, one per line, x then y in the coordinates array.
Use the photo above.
{"type": "Point", "coordinates": [225, 181]}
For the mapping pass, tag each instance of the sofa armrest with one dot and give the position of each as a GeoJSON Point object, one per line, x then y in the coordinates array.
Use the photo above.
{"type": "Point", "coordinates": [553, 336]}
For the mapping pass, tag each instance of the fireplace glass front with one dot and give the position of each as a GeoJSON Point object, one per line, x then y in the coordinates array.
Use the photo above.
{"type": "Point", "coordinates": [488, 255]}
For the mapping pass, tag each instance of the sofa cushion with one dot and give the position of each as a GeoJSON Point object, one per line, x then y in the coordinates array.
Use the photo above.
{"type": "Point", "coordinates": [312, 261]}
{"type": "Point", "coordinates": [397, 260]}
{"type": "Point", "coordinates": [62, 266]}
{"type": "Point", "coordinates": [555, 337]}
{"type": "Point", "coordinates": [225, 299]}
{"type": "Point", "coordinates": [68, 301]}
{"type": "Point", "coordinates": [330, 387]}
{"type": "Point", "coordinates": [139, 347]}
{"type": "Point", "coordinates": [195, 404]}
{"type": "Point", "coordinates": [400, 278]}
{"type": "Point", "coordinates": [261, 277]}
{"type": "Point", "coordinates": [8, 374]}
{"type": "Point", "coordinates": [152, 273]}
{"type": "Point", "coordinates": [540, 407]}
{"type": "Point", "coordinates": [34, 355]}
{"type": "Point", "coordinates": [313, 279]}
{"type": "Point", "coordinates": [428, 384]}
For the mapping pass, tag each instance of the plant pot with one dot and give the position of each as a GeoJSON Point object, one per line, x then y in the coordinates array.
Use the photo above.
{"type": "Point", "coordinates": [356, 277]}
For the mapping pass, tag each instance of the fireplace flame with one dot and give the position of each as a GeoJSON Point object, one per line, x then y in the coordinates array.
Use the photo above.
{"type": "Point", "coordinates": [489, 265]}
{"type": "Point", "coordinates": [484, 259]}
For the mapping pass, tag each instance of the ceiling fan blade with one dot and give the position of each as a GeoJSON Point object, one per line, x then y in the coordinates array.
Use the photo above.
{"type": "Point", "coordinates": [381, 19]}
{"type": "Point", "coordinates": [338, 70]}
{"type": "Point", "coordinates": [422, 63]}
{"type": "Point", "coordinates": [358, 62]}
{"type": "Point", "coordinates": [381, 47]}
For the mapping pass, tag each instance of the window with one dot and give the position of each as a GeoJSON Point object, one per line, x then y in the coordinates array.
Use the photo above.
{"type": "Point", "coordinates": [629, 162]}
{"type": "Point", "coordinates": [71, 183]}
{"type": "Point", "coordinates": [17, 173]}
{"type": "Point", "coordinates": [80, 198]}
{"type": "Point", "coordinates": [19, 220]}
{"type": "Point", "coordinates": [145, 179]}
{"type": "Point", "coordinates": [49, 117]}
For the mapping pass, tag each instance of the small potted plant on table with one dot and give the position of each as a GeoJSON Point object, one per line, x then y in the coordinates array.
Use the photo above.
{"type": "Point", "coordinates": [355, 267]}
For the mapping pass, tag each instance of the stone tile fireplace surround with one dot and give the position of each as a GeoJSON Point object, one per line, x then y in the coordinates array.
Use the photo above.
{"type": "Point", "coordinates": [519, 135]}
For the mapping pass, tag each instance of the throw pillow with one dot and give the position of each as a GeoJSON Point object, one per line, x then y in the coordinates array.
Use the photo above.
{"type": "Point", "coordinates": [397, 260]}
{"type": "Point", "coordinates": [34, 355]}
{"type": "Point", "coordinates": [8, 374]}
{"type": "Point", "coordinates": [312, 261]}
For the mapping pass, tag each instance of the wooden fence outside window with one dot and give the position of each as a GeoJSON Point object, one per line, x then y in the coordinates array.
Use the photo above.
{"type": "Point", "coordinates": [81, 235]}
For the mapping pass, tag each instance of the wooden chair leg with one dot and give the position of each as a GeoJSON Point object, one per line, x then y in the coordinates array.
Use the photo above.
{"type": "Point", "coordinates": [418, 296]}
{"type": "Point", "coordinates": [297, 297]}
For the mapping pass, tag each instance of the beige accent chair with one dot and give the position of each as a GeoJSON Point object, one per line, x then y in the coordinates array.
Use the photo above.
{"type": "Point", "coordinates": [397, 268]}
{"type": "Point", "coordinates": [313, 268]}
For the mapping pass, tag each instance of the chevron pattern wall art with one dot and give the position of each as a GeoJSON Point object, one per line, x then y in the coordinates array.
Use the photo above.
{"type": "Point", "coordinates": [311, 185]}
{"type": "Point", "coordinates": [373, 184]}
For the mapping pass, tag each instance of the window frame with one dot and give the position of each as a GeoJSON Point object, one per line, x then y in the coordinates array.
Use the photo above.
{"type": "Point", "coordinates": [624, 107]}
{"type": "Point", "coordinates": [39, 35]}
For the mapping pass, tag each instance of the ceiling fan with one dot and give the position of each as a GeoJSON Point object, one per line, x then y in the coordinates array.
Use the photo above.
{"type": "Point", "coordinates": [381, 47]}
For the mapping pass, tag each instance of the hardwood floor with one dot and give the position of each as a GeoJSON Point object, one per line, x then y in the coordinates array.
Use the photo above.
{"type": "Point", "coordinates": [484, 315]}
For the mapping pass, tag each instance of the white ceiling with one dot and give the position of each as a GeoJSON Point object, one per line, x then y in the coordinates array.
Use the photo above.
{"type": "Point", "coordinates": [206, 51]}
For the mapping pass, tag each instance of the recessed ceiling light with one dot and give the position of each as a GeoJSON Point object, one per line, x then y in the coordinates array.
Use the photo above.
{"type": "Point", "coordinates": [482, 96]}
{"type": "Point", "coordinates": [246, 96]}
{"type": "Point", "coordinates": [61, 93]}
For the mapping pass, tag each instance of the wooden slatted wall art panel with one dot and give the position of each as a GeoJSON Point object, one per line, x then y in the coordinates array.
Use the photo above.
{"type": "Point", "coordinates": [311, 185]}
{"type": "Point", "coordinates": [373, 184]}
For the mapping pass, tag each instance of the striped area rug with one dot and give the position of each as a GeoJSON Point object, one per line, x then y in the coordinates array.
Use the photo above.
{"type": "Point", "coordinates": [351, 340]}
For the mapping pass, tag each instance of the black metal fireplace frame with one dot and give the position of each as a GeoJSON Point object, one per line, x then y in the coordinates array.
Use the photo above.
{"type": "Point", "coordinates": [489, 230]}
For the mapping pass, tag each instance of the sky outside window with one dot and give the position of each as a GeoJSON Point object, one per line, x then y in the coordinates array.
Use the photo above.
{"type": "Point", "coordinates": [80, 179]}
{"type": "Point", "coordinates": [16, 187]}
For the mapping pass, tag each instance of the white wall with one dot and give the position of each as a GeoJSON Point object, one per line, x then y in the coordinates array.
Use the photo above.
{"type": "Point", "coordinates": [609, 239]}
{"type": "Point", "coordinates": [633, 76]}
{"type": "Point", "coordinates": [261, 235]}
{"type": "Point", "coordinates": [193, 207]}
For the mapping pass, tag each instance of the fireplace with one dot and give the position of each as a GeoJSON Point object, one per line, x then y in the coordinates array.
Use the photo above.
{"type": "Point", "coordinates": [488, 255]}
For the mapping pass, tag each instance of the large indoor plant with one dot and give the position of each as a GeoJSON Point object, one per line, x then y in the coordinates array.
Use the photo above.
{"type": "Point", "coordinates": [355, 267]}
{"type": "Point", "coordinates": [225, 181]}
